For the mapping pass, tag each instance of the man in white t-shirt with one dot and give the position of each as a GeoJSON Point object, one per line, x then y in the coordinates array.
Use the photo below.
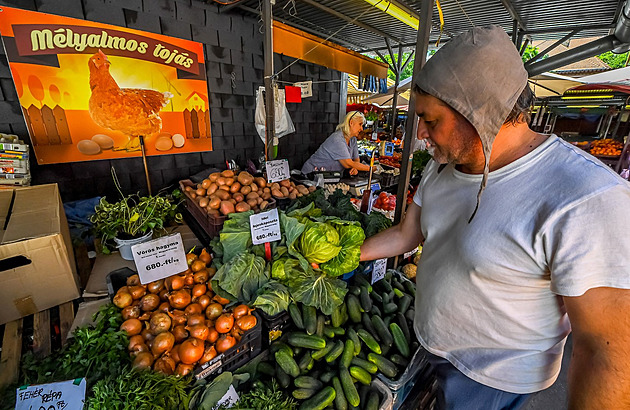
{"type": "Point", "coordinates": [506, 276]}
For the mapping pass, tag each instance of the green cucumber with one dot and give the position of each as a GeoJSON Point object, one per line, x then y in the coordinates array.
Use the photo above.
{"type": "Point", "coordinates": [369, 341]}
{"type": "Point", "coordinates": [376, 311]}
{"type": "Point", "coordinates": [378, 298]}
{"type": "Point", "coordinates": [296, 316]}
{"type": "Point", "coordinates": [361, 375]}
{"type": "Point", "coordinates": [283, 378]}
{"type": "Point", "coordinates": [388, 319]}
{"type": "Point", "coordinates": [391, 307]}
{"type": "Point", "coordinates": [321, 321]}
{"type": "Point", "coordinates": [327, 376]}
{"type": "Point", "coordinates": [309, 316]}
{"type": "Point", "coordinates": [366, 301]}
{"type": "Point", "coordinates": [352, 334]}
{"type": "Point", "coordinates": [335, 352]}
{"type": "Point", "coordinates": [385, 298]}
{"type": "Point", "coordinates": [307, 382]}
{"type": "Point", "coordinates": [354, 308]}
{"type": "Point", "coordinates": [319, 354]}
{"type": "Point", "coordinates": [330, 332]}
{"type": "Point", "coordinates": [321, 400]}
{"type": "Point", "coordinates": [266, 369]}
{"type": "Point", "coordinates": [373, 401]}
{"type": "Point", "coordinates": [275, 346]}
{"type": "Point", "coordinates": [387, 287]}
{"type": "Point", "coordinates": [363, 393]}
{"type": "Point", "coordinates": [384, 365]}
{"type": "Point", "coordinates": [344, 314]}
{"type": "Point", "coordinates": [348, 353]}
{"type": "Point", "coordinates": [362, 281]}
{"type": "Point", "coordinates": [312, 342]}
{"type": "Point", "coordinates": [402, 322]}
{"type": "Point", "coordinates": [381, 329]}
{"type": "Point", "coordinates": [399, 293]}
{"type": "Point", "coordinates": [366, 365]}
{"type": "Point", "coordinates": [399, 339]}
{"type": "Point", "coordinates": [399, 360]}
{"type": "Point", "coordinates": [410, 315]}
{"type": "Point", "coordinates": [355, 290]}
{"type": "Point", "coordinates": [367, 324]}
{"type": "Point", "coordinates": [349, 389]}
{"type": "Point", "coordinates": [336, 317]}
{"type": "Point", "coordinates": [397, 285]}
{"type": "Point", "coordinates": [410, 287]}
{"type": "Point", "coordinates": [340, 399]}
{"type": "Point", "coordinates": [305, 361]}
{"type": "Point", "coordinates": [287, 363]}
{"type": "Point", "coordinates": [303, 394]}
{"type": "Point", "coordinates": [404, 303]}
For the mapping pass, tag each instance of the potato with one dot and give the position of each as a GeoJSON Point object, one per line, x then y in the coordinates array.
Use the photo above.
{"type": "Point", "coordinates": [285, 183]}
{"type": "Point", "coordinates": [193, 195]}
{"type": "Point", "coordinates": [203, 201]}
{"type": "Point", "coordinates": [205, 184]}
{"type": "Point", "coordinates": [214, 177]}
{"type": "Point", "coordinates": [246, 189]}
{"type": "Point", "coordinates": [200, 192]}
{"type": "Point", "coordinates": [292, 184]}
{"type": "Point", "coordinates": [252, 202]}
{"type": "Point", "coordinates": [312, 188]}
{"type": "Point", "coordinates": [221, 181]}
{"type": "Point", "coordinates": [260, 182]}
{"type": "Point", "coordinates": [299, 195]}
{"type": "Point", "coordinates": [252, 195]}
{"type": "Point", "coordinates": [223, 195]}
{"type": "Point", "coordinates": [259, 200]}
{"type": "Point", "coordinates": [242, 207]}
{"type": "Point", "coordinates": [232, 200]}
{"type": "Point", "coordinates": [229, 181]}
{"type": "Point", "coordinates": [236, 187]}
{"type": "Point", "coordinates": [228, 173]}
{"type": "Point", "coordinates": [245, 178]}
{"type": "Point", "coordinates": [214, 203]}
{"type": "Point", "coordinates": [284, 191]}
{"type": "Point", "coordinates": [292, 195]}
{"type": "Point", "coordinates": [264, 205]}
{"type": "Point", "coordinates": [254, 187]}
{"type": "Point", "coordinates": [212, 188]}
{"type": "Point", "coordinates": [266, 195]}
{"type": "Point", "coordinates": [225, 188]}
{"type": "Point", "coordinates": [188, 188]}
{"type": "Point", "coordinates": [277, 193]}
{"type": "Point", "coordinates": [212, 212]}
{"type": "Point", "coordinates": [226, 207]}
{"type": "Point", "coordinates": [238, 197]}
{"type": "Point", "coordinates": [266, 189]}
{"type": "Point", "coordinates": [275, 185]}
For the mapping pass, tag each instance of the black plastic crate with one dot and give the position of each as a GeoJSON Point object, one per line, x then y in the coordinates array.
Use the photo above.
{"type": "Point", "coordinates": [274, 326]}
{"type": "Point", "coordinates": [117, 279]}
{"type": "Point", "coordinates": [249, 347]}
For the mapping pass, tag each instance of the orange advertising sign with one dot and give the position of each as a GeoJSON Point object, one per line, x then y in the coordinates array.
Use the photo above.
{"type": "Point", "coordinates": [90, 90]}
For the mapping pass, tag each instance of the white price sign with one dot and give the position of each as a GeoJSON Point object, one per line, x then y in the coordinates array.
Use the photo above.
{"type": "Point", "coordinates": [307, 88]}
{"type": "Point", "coordinates": [229, 399]}
{"type": "Point", "coordinates": [68, 395]}
{"type": "Point", "coordinates": [378, 272]}
{"type": "Point", "coordinates": [410, 253]}
{"type": "Point", "coordinates": [278, 170]}
{"type": "Point", "coordinates": [159, 258]}
{"type": "Point", "coordinates": [265, 227]}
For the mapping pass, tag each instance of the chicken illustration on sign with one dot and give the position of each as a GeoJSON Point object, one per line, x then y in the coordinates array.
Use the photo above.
{"type": "Point", "coordinates": [131, 111]}
{"type": "Point", "coordinates": [89, 90]}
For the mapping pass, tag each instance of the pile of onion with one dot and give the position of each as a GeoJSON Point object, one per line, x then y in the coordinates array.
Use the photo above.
{"type": "Point", "coordinates": [177, 323]}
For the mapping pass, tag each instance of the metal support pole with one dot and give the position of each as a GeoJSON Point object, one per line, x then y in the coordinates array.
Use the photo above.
{"type": "Point", "coordinates": [617, 123]}
{"type": "Point", "coordinates": [270, 120]}
{"type": "Point", "coordinates": [343, 96]}
{"type": "Point", "coordinates": [514, 31]}
{"type": "Point", "coordinates": [395, 99]}
{"type": "Point", "coordinates": [422, 47]}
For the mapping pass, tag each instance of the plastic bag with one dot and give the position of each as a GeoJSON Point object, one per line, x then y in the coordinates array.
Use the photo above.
{"type": "Point", "coordinates": [284, 124]}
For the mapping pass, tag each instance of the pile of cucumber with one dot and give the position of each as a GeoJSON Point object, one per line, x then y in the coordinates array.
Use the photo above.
{"type": "Point", "coordinates": [331, 360]}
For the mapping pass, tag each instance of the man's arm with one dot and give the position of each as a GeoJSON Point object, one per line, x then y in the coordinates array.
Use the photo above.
{"type": "Point", "coordinates": [396, 240]}
{"type": "Point", "coordinates": [599, 374]}
{"type": "Point", "coordinates": [348, 163]}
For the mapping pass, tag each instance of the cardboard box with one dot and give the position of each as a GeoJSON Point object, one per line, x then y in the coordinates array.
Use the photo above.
{"type": "Point", "coordinates": [37, 269]}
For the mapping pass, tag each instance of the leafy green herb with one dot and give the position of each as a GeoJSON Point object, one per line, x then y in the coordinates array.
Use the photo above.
{"type": "Point", "coordinates": [262, 397]}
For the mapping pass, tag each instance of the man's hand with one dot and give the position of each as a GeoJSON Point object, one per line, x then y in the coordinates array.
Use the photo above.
{"type": "Point", "coordinates": [353, 171]}
{"type": "Point", "coordinates": [599, 374]}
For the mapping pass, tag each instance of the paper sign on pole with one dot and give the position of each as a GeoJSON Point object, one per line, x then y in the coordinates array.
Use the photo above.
{"type": "Point", "coordinates": [380, 267]}
{"type": "Point", "coordinates": [67, 395]}
{"type": "Point", "coordinates": [278, 170]}
{"type": "Point", "coordinates": [159, 258]}
{"type": "Point", "coordinates": [307, 88]}
{"type": "Point", "coordinates": [265, 227]}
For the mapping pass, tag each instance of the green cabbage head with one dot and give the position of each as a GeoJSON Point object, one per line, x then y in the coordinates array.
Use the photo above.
{"type": "Point", "coordinates": [319, 242]}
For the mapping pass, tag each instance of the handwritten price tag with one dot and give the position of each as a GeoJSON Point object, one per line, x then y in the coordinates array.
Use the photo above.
{"type": "Point", "coordinates": [68, 395]}
{"type": "Point", "coordinates": [229, 399]}
{"type": "Point", "coordinates": [159, 258]}
{"type": "Point", "coordinates": [410, 253]}
{"type": "Point", "coordinates": [278, 170]}
{"type": "Point", "coordinates": [378, 273]}
{"type": "Point", "coordinates": [265, 227]}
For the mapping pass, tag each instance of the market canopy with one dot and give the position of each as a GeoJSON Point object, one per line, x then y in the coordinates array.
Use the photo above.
{"type": "Point", "coordinates": [551, 84]}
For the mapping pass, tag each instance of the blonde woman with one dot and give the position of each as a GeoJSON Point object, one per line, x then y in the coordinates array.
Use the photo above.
{"type": "Point", "coordinates": [340, 150]}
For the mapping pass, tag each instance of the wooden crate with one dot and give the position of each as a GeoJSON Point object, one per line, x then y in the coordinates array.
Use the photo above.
{"type": "Point", "coordinates": [49, 330]}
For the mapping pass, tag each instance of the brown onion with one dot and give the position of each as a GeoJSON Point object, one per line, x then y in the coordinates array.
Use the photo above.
{"type": "Point", "coordinates": [225, 343]}
{"type": "Point", "coordinates": [200, 332]}
{"type": "Point", "coordinates": [174, 353]}
{"type": "Point", "coordinates": [137, 291]}
{"type": "Point", "coordinates": [193, 309]}
{"type": "Point", "coordinates": [147, 335]}
{"type": "Point", "coordinates": [133, 280]}
{"type": "Point", "coordinates": [205, 256]}
{"type": "Point", "coordinates": [123, 299]}
{"type": "Point", "coordinates": [197, 265]}
{"type": "Point", "coordinates": [177, 282]}
{"type": "Point", "coordinates": [204, 301]}
{"type": "Point", "coordinates": [145, 316]}
{"type": "Point", "coordinates": [208, 354]}
{"type": "Point", "coordinates": [180, 333]}
{"type": "Point", "coordinates": [198, 319]}
{"type": "Point", "coordinates": [213, 335]}
{"type": "Point", "coordinates": [130, 312]}
{"type": "Point", "coordinates": [201, 277]}
{"type": "Point", "coordinates": [132, 327]}
{"type": "Point", "coordinates": [224, 323]}
{"type": "Point", "coordinates": [212, 270]}
{"type": "Point", "coordinates": [236, 333]}
{"type": "Point", "coordinates": [183, 369]}
{"type": "Point", "coordinates": [179, 317]}
{"type": "Point", "coordinates": [156, 286]}
{"type": "Point", "coordinates": [149, 302]}
{"type": "Point", "coordinates": [163, 295]}
{"type": "Point", "coordinates": [190, 258]}
{"type": "Point", "coordinates": [241, 310]}
{"type": "Point", "coordinates": [139, 349]}
{"type": "Point", "coordinates": [220, 300]}
{"type": "Point", "coordinates": [164, 365]}
{"type": "Point", "coordinates": [143, 360]}
{"type": "Point", "coordinates": [189, 280]}
{"type": "Point", "coordinates": [179, 299]}
{"type": "Point", "coordinates": [135, 340]}
{"type": "Point", "coordinates": [164, 307]}
{"type": "Point", "coordinates": [214, 310]}
{"type": "Point", "coordinates": [246, 322]}
{"type": "Point", "coordinates": [162, 343]}
{"type": "Point", "coordinates": [191, 351]}
{"type": "Point", "coordinates": [160, 322]}
{"type": "Point", "coordinates": [198, 290]}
